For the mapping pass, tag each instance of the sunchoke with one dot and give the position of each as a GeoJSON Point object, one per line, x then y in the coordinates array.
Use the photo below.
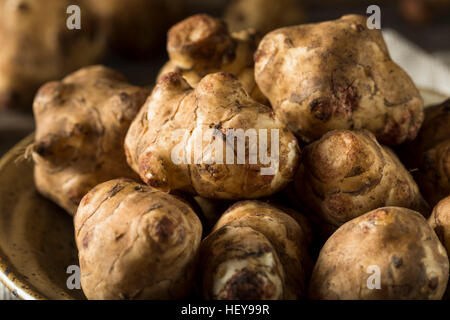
{"type": "Point", "coordinates": [388, 253]}
{"type": "Point", "coordinates": [255, 251]}
{"type": "Point", "coordinates": [428, 156]}
{"type": "Point", "coordinates": [184, 139]}
{"type": "Point", "coordinates": [337, 75]}
{"type": "Point", "coordinates": [136, 242]}
{"type": "Point", "coordinates": [440, 222]}
{"type": "Point", "coordinates": [81, 124]}
{"type": "Point", "coordinates": [348, 173]}
{"type": "Point", "coordinates": [201, 44]}
{"type": "Point", "coordinates": [37, 46]}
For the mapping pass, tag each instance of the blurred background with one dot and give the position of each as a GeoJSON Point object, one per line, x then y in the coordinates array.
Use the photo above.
{"type": "Point", "coordinates": [129, 36]}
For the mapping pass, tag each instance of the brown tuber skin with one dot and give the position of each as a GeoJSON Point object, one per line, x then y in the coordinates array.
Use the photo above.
{"type": "Point", "coordinates": [37, 46]}
{"type": "Point", "coordinates": [412, 262]}
{"type": "Point", "coordinates": [81, 123]}
{"type": "Point", "coordinates": [440, 222]}
{"type": "Point", "coordinates": [135, 242]}
{"type": "Point", "coordinates": [255, 251]}
{"type": "Point", "coordinates": [201, 44]}
{"type": "Point", "coordinates": [263, 15]}
{"type": "Point", "coordinates": [348, 173]}
{"type": "Point", "coordinates": [337, 75]}
{"type": "Point", "coordinates": [429, 154]}
{"type": "Point", "coordinates": [218, 102]}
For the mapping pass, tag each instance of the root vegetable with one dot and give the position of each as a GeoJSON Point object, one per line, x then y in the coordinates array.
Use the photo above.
{"type": "Point", "coordinates": [440, 222]}
{"type": "Point", "coordinates": [37, 46]}
{"type": "Point", "coordinates": [392, 244]}
{"type": "Point", "coordinates": [348, 173]}
{"type": "Point", "coordinates": [337, 75]}
{"type": "Point", "coordinates": [210, 211]}
{"type": "Point", "coordinates": [255, 251]}
{"type": "Point", "coordinates": [136, 242]}
{"type": "Point", "coordinates": [169, 146]}
{"type": "Point", "coordinates": [429, 155]}
{"type": "Point", "coordinates": [81, 124]}
{"type": "Point", "coordinates": [201, 44]}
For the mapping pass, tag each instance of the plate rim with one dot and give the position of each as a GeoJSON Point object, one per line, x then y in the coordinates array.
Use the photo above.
{"type": "Point", "coordinates": [10, 279]}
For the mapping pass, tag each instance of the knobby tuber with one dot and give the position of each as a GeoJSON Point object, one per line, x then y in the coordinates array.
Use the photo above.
{"type": "Point", "coordinates": [255, 251]}
{"type": "Point", "coordinates": [388, 253]}
{"type": "Point", "coordinates": [81, 123]}
{"type": "Point", "coordinates": [136, 242]}
{"type": "Point", "coordinates": [428, 156]}
{"type": "Point", "coordinates": [37, 46]}
{"type": "Point", "coordinates": [201, 44]}
{"type": "Point", "coordinates": [348, 173]}
{"type": "Point", "coordinates": [440, 222]}
{"type": "Point", "coordinates": [337, 75]}
{"type": "Point", "coordinates": [182, 139]}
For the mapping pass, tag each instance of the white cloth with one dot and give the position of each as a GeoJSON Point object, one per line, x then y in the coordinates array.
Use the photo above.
{"type": "Point", "coordinates": [427, 71]}
{"type": "Point", "coordinates": [5, 294]}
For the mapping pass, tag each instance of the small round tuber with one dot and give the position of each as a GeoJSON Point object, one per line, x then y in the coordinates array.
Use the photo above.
{"type": "Point", "coordinates": [135, 242]}
{"type": "Point", "coordinates": [348, 173]}
{"type": "Point", "coordinates": [185, 139]}
{"type": "Point", "coordinates": [440, 222]}
{"type": "Point", "coordinates": [388, 253]}
{"type": "Point", "coordinates": [428, 156]}
{"type": "Point", "coordinates": [201, 44]}
{"type": "Point", "coordinates": [81, 123]}
{"type": "Point", "coordinates": [255, 251]}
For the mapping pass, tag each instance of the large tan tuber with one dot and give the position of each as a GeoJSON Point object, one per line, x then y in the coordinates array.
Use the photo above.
{"type": "Point", "coordinates": [348, 173]}
{"type": "Point", "coordinates": [37, 46]}
{"type": "Point", "coordinates": [428, 156]}
{"type": "Point", "coordinates": [255, 251]}
{"type": "Point", "coordinates": [81, 124]}
{"type": "Point", "coordinates": [201, 44]}
{"type": "Point", "coordinates": [393, 245]}
{"type": "Point", "coordinates": [183, 140]}
{"type": "Point", "coordinates": [440, 221]}
{"type": "Point", "coordinates": [136, 242]}
{"type": "Point", "coordinates": [337, 75]}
